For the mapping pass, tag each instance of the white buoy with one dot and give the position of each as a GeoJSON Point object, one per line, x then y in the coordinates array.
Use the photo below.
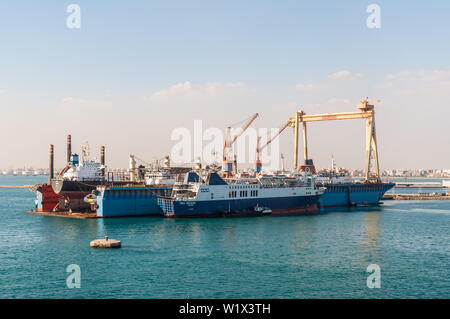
{"type": "Point", "coordinates": [106, 243]}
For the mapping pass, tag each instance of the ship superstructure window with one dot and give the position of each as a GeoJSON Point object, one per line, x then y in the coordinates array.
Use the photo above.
{"type": "Point", "coordinates": [243, 193]}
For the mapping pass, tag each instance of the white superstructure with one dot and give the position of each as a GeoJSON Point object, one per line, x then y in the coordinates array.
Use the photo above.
{"type": "Point", "coordinates": [86, 170]}
{"type": "Point", "coordinates": [263, 186]}
{"type": "Point", "coordinates": [159, 177]}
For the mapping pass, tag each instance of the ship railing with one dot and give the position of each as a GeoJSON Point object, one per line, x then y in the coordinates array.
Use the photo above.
{"type": "Point", "coordinates": [182, 197]}
{"type": "Point", "coordinates": [183, 187]}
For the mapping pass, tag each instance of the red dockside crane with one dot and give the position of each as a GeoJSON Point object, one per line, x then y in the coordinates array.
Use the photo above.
{"type": "Point", "coordinates": [227, 156]}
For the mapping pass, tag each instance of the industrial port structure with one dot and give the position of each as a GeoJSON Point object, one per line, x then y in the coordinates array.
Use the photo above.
{"type": "Point", "coordinates": [105, 197]}
{"type": "Point", "coordinates": [367, 112]}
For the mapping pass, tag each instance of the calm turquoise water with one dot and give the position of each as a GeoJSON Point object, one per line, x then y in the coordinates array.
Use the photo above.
{"type": "Point", "coordinates": [322, 256]}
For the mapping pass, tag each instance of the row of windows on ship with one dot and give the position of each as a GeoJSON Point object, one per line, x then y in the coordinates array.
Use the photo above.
{"type": "Point", "coordinates": [243, 186]}
{"type": "Point", "coordinates": [233, 194]}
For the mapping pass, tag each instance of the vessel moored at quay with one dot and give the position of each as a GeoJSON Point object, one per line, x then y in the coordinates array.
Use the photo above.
{"type": "Point", "coordinates": [210, 195]}
{"type": "Point", "coordinates": [79, 177]}
{"type": "Point", "coordinates": [84, 186]}
{"type": "Point", "coordinates": [341, 190]}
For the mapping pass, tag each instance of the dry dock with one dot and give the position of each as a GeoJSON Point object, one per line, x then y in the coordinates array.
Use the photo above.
{"type": "Point", "coordinates": [65, 214]}
{"type": "Point", "coordinates": [15, 186]}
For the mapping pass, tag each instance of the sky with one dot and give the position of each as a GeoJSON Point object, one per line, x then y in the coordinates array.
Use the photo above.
{"type": "Point", "coordinates": [137, 70]}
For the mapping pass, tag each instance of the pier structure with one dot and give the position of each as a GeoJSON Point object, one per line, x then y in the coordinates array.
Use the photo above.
{"type": "Point", "coordinates": [433, 196]}
{"type": "Point", "coordinates": [419, 184]}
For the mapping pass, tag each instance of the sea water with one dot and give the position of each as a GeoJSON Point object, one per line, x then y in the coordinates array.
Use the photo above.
{"type": "Point", "coordinates": [320, 256]}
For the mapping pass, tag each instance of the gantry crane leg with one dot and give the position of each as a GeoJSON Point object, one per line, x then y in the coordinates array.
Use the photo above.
{"type": "Point", "coordinates": [368, 145]}
{"type": "Point", "coordinates": [305, 143]}
{"type": "Point", "coordinates": [371, 147]}
{"type": "Point", "coordinates": [366, 112]}
{"type": "Point", "coordinates": [296, 141]}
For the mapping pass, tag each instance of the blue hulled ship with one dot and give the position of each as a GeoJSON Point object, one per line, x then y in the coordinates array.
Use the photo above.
{"type": "Point", "coordinates": [341, 190]}
{"type": "Point", "coordinates": [252, 196]}
{"type": "Point", "coordinates": [353, 194]}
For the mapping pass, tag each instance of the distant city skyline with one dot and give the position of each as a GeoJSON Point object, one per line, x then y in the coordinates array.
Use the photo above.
{"type": "Point", "coordinates": [137, 70]}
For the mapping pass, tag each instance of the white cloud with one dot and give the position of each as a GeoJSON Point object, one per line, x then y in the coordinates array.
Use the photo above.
{"type": "Point", "coordinates": [430, 84]}
{"type": "Point", "coordinates": [70, 103]}
{"type": "Point", "coordinates": [177, 89]}
{"type": "Point", "coordinates": [345, 75]}
{"type": "Point", "coordinates": [188, 89]}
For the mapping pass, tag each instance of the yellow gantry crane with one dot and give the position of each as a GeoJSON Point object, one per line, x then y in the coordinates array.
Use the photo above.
{"type": "Point", "coordinates": [367, 112]}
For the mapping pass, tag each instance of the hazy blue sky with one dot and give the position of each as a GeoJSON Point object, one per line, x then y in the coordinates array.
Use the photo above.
{"type": "Point", "coordinates": [136, 70]}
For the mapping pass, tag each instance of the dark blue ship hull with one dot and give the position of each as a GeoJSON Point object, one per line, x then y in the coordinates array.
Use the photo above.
{"type": "Point", "coordinates": [295, 205]}
{"type": "Point", "coordinates": [354, 194]}
{"type": "Point", "coordinates": [147, 201]}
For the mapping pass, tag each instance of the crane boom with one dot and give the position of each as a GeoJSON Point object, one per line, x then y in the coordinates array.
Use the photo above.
{"type": "Point", "coordinates": [258, 164]}
{"type": "Point", "coordinates": [245, 127]}
{"type": "Point", "coordinates": [275, 136]}
{"type": "Point", "coordinates": [228, 142]}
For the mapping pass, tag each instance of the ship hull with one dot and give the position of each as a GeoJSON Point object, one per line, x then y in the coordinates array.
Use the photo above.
{"type": "Point", "coordinates": [280, 206]}
{"type": "Point", "coordinates": [73, 193]}
{"type": "Point", "coordinates": [74, 189]}
{"type": "Point", "coordinates": [130, 201]}
{"type": "Point", "coordinates": [353, 194]}
{"type": "Point", "coordinates": [46, 199]}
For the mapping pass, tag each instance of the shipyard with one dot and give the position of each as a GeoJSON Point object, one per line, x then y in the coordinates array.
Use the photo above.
{"type": "Point", "coordinates": [84, 188]}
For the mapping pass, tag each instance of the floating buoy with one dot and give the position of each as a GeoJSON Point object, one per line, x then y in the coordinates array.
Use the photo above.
{"type": "Point", "coordinates": [106, 243]}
